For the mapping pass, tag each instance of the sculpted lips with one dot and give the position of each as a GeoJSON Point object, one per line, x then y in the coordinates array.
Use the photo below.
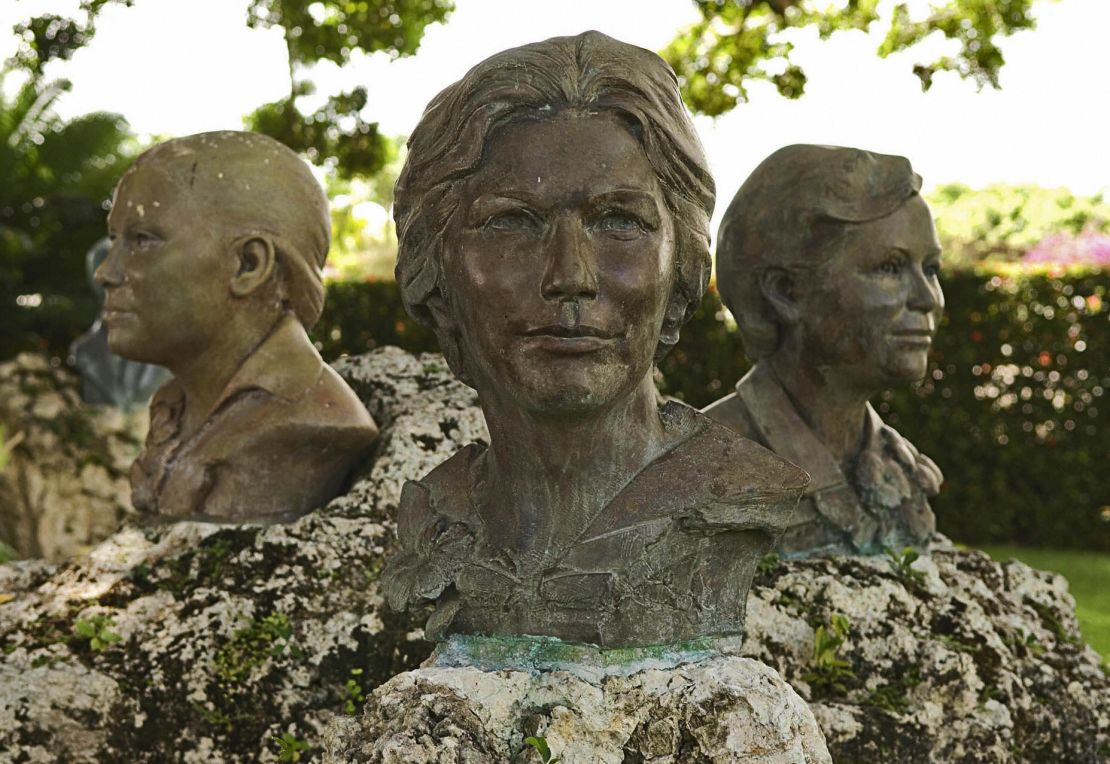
{"type": "Point", "coordinates": [578, 330]}
{"type": "Point", "coordinates": [112, 310]}
{"type": "Point", "coordinates": [917, 336]}
{"type": "Point", "coordinates": [570, 340]}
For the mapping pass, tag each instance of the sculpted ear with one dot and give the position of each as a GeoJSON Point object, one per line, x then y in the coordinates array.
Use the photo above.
{"type": "Point", "coordinates": [257, 260]}
{"type": "Point", "coordinates": [778, 289]}
{"type": "Point", "coordinates": [672, 318]}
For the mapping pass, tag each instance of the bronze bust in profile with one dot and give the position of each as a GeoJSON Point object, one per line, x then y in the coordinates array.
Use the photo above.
{"type": "Point", "coordinates": [829, 260]}
{"type": "Point", "coordinates": [552, 221]}
{"type": "Point", "coordinates": [215, 272]}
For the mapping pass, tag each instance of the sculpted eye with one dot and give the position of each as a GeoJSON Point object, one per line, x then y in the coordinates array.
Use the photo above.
{"type": "Point", "coordinates": [932, 270]}
{"type": "Point", "coordinates": [144, 240]}
{"type": "Point", "coordinates": [619, 224]}
{"type": "Point", "coordinates": [512, 221]}
{"type": "Point", "coordinates": [890, 267]}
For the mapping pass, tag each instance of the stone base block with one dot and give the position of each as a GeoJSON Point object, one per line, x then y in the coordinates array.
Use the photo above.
{"type": "Point", "coordinates": [723, 709]}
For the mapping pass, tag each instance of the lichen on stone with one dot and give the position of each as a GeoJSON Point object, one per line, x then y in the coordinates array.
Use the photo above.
{"type": "Point", "coordinates": [973, 661]}
{"type": "Point", "coordinates": [64, 484]}
{"type": "Point", "coordinates": [722, 709]}
{"type": "Point", "coordinates": [224, 643]}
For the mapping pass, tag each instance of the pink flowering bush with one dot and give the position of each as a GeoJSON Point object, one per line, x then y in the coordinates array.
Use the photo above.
{"type": "Point", "coordinates": [1089, 247]}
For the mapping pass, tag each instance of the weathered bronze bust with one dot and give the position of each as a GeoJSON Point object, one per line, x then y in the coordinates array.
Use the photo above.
{"type": "Point", "coordinates": [552, 222]}
{"type": "Point", "coordinates": [218, 245]}
{"type": "Point", "coordinates": [828, 259]}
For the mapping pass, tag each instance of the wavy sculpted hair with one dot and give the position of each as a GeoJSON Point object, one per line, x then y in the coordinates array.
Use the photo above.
{"type": "Point", "coordinates": [591, 72]}
{"type": "Point", "coordinates": [789, 211]}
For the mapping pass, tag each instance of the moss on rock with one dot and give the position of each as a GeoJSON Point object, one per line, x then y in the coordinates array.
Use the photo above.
{"type": "Point", "coordinates": [219, 643]}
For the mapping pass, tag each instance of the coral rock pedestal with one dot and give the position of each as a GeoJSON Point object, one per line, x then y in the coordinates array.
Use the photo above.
{"type": "Point", "coordinates": [719, 709]}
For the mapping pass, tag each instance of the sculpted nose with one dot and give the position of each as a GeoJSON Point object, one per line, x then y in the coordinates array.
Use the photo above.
{"type": "Point", "coordinates": [110, 272]}
{"type": "Point", "coordinates": [925, 293]}
{"type": "Point", "coordinates": [570, 272]}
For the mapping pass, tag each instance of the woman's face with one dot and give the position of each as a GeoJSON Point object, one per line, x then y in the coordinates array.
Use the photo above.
{"type": "Point", "coordinates": [870, 310]}
{"type": "Point", "coordinates": [167, 275]}
{"type": "Point", "coordinates": [558, 264]}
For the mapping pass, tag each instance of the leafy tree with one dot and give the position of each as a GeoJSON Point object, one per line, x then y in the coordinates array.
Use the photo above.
{"type": "Point", "coordinates": [49, 37]}
{"type": "Point", "coordinates": [336, 135]}
{"type": "Point", "coordinates": [334, 30]}
{"type": "Point", "coordinates": [739, 41]}
{"type": "Point", "coordinates": [57, 179]}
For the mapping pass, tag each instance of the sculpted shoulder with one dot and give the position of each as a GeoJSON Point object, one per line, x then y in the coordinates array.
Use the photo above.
{"type": "Point", "coordinates": [712, 472]}
{"type": "Point", "coordinates": [731, 412]}
{"type": "Point", "coordinates": [282, 441]}
{"type": "Point", "coordinates": [437, 528]}
{"type": "Point", "coordinates": [724, 452]}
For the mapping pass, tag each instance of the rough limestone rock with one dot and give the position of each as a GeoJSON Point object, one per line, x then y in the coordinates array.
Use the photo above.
{"type": "Point", "coordinates": [230, 637]}
{"type": "Point", "coordinates": [209, 643]}
{"type": "Point", "coordinates": [65, 486]}
{"type": "Point", "coordinates": [957, 658]}
{"type": "Point", "coordinates": [725, 709]}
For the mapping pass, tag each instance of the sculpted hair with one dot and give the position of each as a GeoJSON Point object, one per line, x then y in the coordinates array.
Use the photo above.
{"type": "Point", "coordinates": [796, 203]}
{"type": "Point", "coordinates": [253, 184]}
{"type": "Point", "coordinates": [590, 72]}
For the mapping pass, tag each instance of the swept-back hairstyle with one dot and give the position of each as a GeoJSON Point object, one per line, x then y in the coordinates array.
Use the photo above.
{"type": "Point", "coordinates": [790, 209]}
{"type": "Point", "coordinates": [257, 184]}
{"type": "Point", "coordinates": [590, 72]}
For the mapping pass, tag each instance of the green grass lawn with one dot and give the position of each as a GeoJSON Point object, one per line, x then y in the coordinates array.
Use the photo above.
{"type": "Point", "coordinates": [1088, 575]}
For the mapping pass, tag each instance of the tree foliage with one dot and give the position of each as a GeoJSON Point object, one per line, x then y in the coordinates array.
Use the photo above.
{"type": "Point", "coordinates": [51, 37]}
{"type": "Point", "coordinates": [333, 30]}
{"type": "Point", "coordinates": [58, 176]}
{"type": "Point", "coordinates": [737, 42]}
{"type": "Point", "coordinates": [336, 134]}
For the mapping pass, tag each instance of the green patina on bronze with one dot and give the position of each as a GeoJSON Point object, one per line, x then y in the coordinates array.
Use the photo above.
{"type": "Point", "coordinates": [528, 653]}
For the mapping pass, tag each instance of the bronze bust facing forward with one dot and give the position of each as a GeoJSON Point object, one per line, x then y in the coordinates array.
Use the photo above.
{"type": "Point", "coordinates": [218, 244]}
{"type": "Point", "coordinates": [552, 221]}
{"type": "Point", "coordinates": [828, 259]}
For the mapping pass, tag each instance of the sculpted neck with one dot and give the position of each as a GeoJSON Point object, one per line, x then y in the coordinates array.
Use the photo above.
{"type": "Point", "coordinates": [205, 375]}
{"type": "Point", "coordinates": [549, 476]}
{"type": "Point", "coordinates": [828, 400]}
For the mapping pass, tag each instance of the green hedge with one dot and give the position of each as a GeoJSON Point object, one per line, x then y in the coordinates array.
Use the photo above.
{"type": "Point", "coordinates": [1015, 408]}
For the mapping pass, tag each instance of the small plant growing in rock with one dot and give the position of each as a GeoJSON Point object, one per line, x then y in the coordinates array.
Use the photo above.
{"type": "Point", "coordinates": [97, 630]}
{"type": "Point", "coordinates": [251, 645]}
{"type": "Point", "coordinates": [353, 697]}
{"type": "Point", "coordinates": [544, 750]}
{"type": "Point", "coordinates": [902, 565]}
{"type": "Point", "coordinates": [768, 564]}
{"type": "Point", "coordinates": [1058, 629]}
{"type": "Point", "coordinates": [892, 697]}
{"type": "Point", "coordinates": [990, 692]}
{"type": "Point", "coordinates": [290, 747]}
{"type": "Point", "coordinates": [1023, 643]}
{"type": "Point", "coordinates": [829, 670]}
{"type": "Point", "coordinates": [955, 643]}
